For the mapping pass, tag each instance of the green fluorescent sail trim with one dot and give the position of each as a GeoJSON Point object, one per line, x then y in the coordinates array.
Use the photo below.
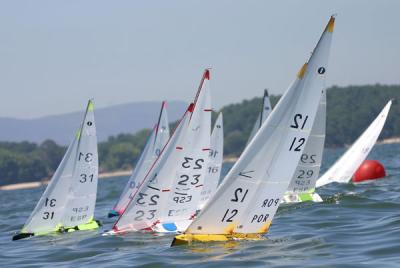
{"type": "Point", "coordinates": [92, 224]}
{"type": "Point", "coordinates": [56, 229]}
{"type": "Point", "coordinates": [78, 134]}
{"type": "Point", "coordinates": [311, 191]}
{"type": "Point", "coordinates": [90, 106]}
{"type": "Point", "coordinates": [88, 226]}
{"type": "Point", "coordinates": [306, 197]}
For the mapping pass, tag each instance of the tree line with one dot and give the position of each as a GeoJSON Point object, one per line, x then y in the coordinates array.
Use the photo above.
{"type": "Point", "coordinates": [349, 111]}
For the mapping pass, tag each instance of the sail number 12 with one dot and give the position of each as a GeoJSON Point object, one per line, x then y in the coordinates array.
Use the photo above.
{"type": "Point", "coordinates": [238, 196]}
{"type": "Point", "coordinates": [299, 122]}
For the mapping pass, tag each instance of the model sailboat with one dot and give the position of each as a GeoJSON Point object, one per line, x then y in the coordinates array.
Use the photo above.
{"type": "Point", "coordinates": [266, 109]}
{"type": "Point", "coordinates": [302, 185]}
{"type": "Point", "coordinates": [168, 196]}
{"type": "Point", "coordinates": [245, 203]}
{"type": "Point", "coordinates": [344, 168]}
{"type": "Point", "coordinates": [69, 200]}
{"type": "Point", "coordinates": [156, 142]}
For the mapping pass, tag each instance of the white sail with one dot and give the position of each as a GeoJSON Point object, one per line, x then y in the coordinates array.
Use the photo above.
{"type": "Point", "coordinates": [344, 168]}
{"type": "Point", "coordinates": [302, 185]}
{"type": "Point", "coordinates": [83, 189]}
{"type": "Point", "coordinates": [247, 199]}
{"type": "Point", "coordinates": [144, 207]}
{"type": "Point", "coordinates": [214, 165]}
{"type": "Point", "coordinates": [158, 200]}
{"type": "Point", "coordinates": [262, 116]}
{"type": "Point", "coordinates": [156, 142]}
{"type": "Point", "coordinates": [70, 197]}
{"type": "Point", "coordinates": [191, 167]}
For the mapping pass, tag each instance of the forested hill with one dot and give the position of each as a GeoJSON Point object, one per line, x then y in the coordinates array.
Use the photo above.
{"type": "Point", "coordinates": [349, 111]}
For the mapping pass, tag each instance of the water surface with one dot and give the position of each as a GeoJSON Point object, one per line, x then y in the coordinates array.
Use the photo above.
{"type": "Point", "coordinates": [355, 226]}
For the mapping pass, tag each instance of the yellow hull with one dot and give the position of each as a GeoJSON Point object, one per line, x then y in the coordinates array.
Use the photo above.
{"type": "Point", "coordinates": [187, 239]}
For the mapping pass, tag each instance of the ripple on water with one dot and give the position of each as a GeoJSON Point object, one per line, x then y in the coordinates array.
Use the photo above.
{"type": "Point", "coordinates": [355, 226]}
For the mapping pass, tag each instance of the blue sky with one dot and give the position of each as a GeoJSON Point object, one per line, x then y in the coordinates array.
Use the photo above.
{"type": "Point", "coordinates": [54, 55]}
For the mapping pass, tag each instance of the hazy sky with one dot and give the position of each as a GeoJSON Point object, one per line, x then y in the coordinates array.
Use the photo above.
{"type": "Point", "coordinates": [54, 55]}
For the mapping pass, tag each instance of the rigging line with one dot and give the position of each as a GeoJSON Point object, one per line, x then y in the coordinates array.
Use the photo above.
{"type": "Point", "coordinates": [159, 120]}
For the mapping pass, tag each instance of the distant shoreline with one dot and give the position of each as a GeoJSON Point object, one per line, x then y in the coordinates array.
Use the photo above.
{"type": "Point", "coordinates": [391, 140]}
{"type": "Point", "coordinates": [35, 184]}
{"type": "Point", "coordinates": [103, 175]}
{"type": "Point", "coordinates": [116, 173]}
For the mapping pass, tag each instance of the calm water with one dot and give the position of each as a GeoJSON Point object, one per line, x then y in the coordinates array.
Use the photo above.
{"type": "Point", "coordinates": [356, 225]}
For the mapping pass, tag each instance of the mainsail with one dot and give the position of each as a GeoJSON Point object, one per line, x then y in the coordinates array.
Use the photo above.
{"type": "Point", "coordinates": [246, 201]}
{"type": "Point", "coordinates": [214, 165]}
{"type": "Point", "coordinates": [156, 142]}
{"type": "Point", "coordinates": [344, 168]}
{"type": "Point", "coordinates": [302, 185]}
{"type": "Point", "coordinates": [69, 200]}
{"type": "Point", "coordinates": [177, 175]}
{"type": "Point", "coordinates": [262, 116]}
{"type": "Point", "coordinates": [191, 167]}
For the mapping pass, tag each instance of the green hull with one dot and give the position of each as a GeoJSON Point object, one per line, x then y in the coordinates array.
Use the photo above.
{"type": "Point", "coordinates": [92, 225]}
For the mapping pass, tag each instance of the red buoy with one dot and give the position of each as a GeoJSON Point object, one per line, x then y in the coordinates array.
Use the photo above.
{"type": "Point", "coordinates": [369, 170]}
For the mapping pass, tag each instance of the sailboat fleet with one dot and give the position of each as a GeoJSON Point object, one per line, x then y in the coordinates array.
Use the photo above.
{"type": "Point", "coordinates": [176, 185]}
